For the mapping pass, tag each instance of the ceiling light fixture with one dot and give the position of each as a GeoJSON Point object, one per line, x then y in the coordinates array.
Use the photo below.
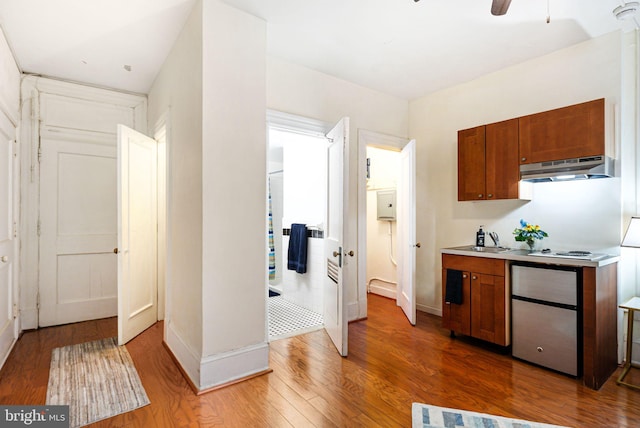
{"type": "Point", "coordinates": [626, 10]}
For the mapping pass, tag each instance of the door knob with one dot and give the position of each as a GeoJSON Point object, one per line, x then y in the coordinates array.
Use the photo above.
{"type": "Point", "coordinates": [4, 259]}
{"type": "Point", "coordinates": [351, 253]}
{"type": "Point", "coordinates": [336, 254]}
{"type": "Point", "coordinates": [115, 250]}
{"type": "Point", "coordinates": [418, 245]}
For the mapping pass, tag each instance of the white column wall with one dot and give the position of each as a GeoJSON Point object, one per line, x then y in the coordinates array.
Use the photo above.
{"type": "Point", "coordinates": [178, 90]}
{"type": "Point", "coordinates": [234, 159]}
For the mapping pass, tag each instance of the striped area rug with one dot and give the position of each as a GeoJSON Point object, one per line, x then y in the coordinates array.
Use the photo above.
{"type": "Point", "coordinates": [96, 379]}
{"type": "Point", "coordinates": [426, 416]}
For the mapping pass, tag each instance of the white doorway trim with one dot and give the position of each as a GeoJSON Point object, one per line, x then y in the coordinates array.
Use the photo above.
{"type": "Point", "coordinates": [374, 139]}
{"type": "Point", "coordinates": [162, 135]}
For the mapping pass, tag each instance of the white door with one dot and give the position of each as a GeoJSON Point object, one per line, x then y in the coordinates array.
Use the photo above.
{"type": "Point", "coordinates": [77, 227]}
{"type": "Point", "coordinates": [406, 210]}
{"type": "Point", "coordinates": [137, 240]}
{"type": "Point", "coordinates": [8, 251]}
{"type": "Point", "coordinates": [336, 248]}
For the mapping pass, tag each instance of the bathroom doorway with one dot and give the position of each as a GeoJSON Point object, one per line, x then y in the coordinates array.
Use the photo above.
{"type": "Point", "coordinates": [297, 194]}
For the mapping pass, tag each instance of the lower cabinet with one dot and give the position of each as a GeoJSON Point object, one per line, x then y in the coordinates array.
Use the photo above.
{"type": "Point", "coordinates": [483, 312]}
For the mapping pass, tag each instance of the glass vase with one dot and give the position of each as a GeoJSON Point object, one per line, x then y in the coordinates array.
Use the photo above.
{"type": "Point", "coordinates": [532, 244]}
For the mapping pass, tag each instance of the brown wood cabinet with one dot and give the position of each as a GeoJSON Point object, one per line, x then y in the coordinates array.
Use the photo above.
{"type": "Point", "coordinates": [565, 133]}
{"type": "Point", "coordinates": [488, 166]}
{"type": "Point", "coordinates": [483, 312]}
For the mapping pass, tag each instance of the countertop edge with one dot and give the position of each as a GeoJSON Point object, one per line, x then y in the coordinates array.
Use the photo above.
{"type": "Point", "coordinates": [523, 256]}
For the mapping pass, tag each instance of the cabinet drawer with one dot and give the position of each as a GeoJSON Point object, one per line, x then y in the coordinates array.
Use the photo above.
{"type": "Point", "coordinates": [474, 264]}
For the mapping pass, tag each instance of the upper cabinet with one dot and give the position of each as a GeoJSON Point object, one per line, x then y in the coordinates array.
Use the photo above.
{"type": "Point", "coordinates": [489, 156]}
{"type": "Point", "coordinates": [488, 166]}
{"type": "Point", "coordinates": [565, 133]}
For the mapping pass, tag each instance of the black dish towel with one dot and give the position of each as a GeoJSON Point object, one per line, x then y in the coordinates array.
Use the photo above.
{"type": "Point", "coordinates": [453, 287]}
{"type": "Point", "coordinates": [297, 253]}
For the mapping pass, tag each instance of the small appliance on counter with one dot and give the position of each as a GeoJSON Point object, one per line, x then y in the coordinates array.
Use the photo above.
{"type": "Point", "coordinates": [574, 254]}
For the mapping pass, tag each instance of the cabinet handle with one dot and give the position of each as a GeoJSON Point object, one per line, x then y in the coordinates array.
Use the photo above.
{"type": "Point", "coordinates": [524, 159]}
{"type": "Point", "coordinates": [464, 275]}
{"type": "Point", "coordinates": [490, 195]}
{"type": "Point", "coordinates": [479, 195]}
{"type": "Point", "coordinates": [474, 277]}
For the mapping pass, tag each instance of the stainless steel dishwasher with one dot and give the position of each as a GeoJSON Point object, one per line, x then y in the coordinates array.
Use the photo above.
{"type": "Point", "coordinates": [546, 316]}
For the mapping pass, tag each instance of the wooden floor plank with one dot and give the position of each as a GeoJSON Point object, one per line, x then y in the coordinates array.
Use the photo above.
{"type": "Point", "coordinates": [390, 365]}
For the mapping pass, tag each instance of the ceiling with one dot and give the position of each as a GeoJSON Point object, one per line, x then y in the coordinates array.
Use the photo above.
{"type": "Point", "coordinates": [400, 47]}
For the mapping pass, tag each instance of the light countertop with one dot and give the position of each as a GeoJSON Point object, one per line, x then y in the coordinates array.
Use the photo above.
{"type": "Point", "coordinates": [525, 256]}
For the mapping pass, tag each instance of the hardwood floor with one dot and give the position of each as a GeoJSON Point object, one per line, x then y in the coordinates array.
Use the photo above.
{"type": "Point", "coordinates": [390, 365]}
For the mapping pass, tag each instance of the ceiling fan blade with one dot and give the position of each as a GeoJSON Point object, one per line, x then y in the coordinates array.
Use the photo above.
{"type": "Point", "coordinates": [499, 7]}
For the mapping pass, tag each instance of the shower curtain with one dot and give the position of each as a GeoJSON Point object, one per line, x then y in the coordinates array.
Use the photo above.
{"type": "Point", "coordinates": [272, 249]}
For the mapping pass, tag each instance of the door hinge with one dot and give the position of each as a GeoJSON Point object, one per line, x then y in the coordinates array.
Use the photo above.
{"type": "Point", "coordinates": [39, 152]}
{"type": "Point", "coordinates": [38, 228]}
{"type": "Point", "coordinates": [38, 301]}
{"type": "Point", "coordinates": [15, 229]}
{"type": "Point", "coordinates": [15, 311]}
{"type": "Point", "coordinates": [15, 148]}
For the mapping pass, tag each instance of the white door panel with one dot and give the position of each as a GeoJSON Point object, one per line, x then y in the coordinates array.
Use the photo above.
{"type": "Point", "coordinates": [407, 232]}
{"type": "Point", "coordinates": [8, 250]}
{"type": "Point", "coordinates": [335, 308]}
{"type": "Point", "coordinates": [137, 228]}
{"type": "Point", "coordinates": [77, 232]}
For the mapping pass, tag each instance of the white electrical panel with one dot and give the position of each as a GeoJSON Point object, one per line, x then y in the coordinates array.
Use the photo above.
{"type": "Point", "coordinates": [387, 204]}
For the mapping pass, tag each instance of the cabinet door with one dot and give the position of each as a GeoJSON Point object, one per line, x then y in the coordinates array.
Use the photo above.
{"type": "Point", "coordinates": [565, 133]}
{"type": "Point", "coordinates": [488, 308]}
{"type": "Point", "coordinates": [471, 164]}
{"type": "Point", "coordinates": [501, 160]}
{"type": "Point", "coordinates": [457, 317]}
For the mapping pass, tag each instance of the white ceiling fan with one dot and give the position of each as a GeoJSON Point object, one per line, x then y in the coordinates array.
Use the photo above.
{"type": "Point", "coordinates": [499, 7]}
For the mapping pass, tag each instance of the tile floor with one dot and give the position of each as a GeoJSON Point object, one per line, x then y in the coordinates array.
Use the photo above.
{"type": "Point", "coordinates": [287, 319]}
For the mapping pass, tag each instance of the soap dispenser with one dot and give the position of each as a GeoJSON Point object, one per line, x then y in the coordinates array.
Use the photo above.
{"type": "Point", "coordinates": [480, 238]}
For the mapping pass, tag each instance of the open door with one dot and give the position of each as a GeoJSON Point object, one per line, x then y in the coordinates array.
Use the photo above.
{"type": "Point", "coordinates": [406, 217]}
{"type": "Point", "coordinates": [9, 190]}
{"type": "Point", "coordinates": [137, 239]}
{"type": "Point", "coordinates": [335, 309]}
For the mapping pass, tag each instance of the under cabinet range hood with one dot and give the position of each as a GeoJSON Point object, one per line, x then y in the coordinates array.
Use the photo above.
{"type": "Point", "coordinates": [568, 169]}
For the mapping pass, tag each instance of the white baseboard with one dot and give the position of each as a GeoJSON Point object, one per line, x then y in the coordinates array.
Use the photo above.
{"type": "Point", "coordinates": [429, 309]}
{"type": "Point", "coordinates": [383, 291]}
{"type": "Point", "coordinates": [189, 362]}
{"type": "Point", "coordinates": [28, 319]}
{"type": "Point", "coordinates": [227, 367]}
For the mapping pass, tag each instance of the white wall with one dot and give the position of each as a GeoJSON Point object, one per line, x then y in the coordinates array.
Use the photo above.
{"type": "Point", "coordinates": [10, 78]}
{"type": "Point", "coordinates": [305, 201]}
{"type": "Point", "coordinates": [577, 215]}
{"type": "Point", "coordinates": [234, 160]}
{"type": "Point", "coordinates": [214, 88]}
{"type": "Point", "coordinates": [178, 89]}
{"type": "Point", "coordinates": [298, 90]}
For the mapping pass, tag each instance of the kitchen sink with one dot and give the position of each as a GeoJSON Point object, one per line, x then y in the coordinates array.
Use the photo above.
{"type": "Point", "coordinates": [490, 249]}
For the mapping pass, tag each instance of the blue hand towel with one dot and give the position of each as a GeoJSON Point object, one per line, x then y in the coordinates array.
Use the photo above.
{"type": "Point", "coordinates": [453, 287]}
{"type": "Point", "coordinates": [297, 253]}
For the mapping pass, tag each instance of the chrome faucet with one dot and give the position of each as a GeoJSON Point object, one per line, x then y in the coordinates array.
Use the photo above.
{"type": "Point", "coordinates": [494, 238]}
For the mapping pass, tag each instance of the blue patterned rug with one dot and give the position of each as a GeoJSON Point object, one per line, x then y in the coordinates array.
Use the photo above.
{"type": "Point", "coordinates": [425, 416]}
